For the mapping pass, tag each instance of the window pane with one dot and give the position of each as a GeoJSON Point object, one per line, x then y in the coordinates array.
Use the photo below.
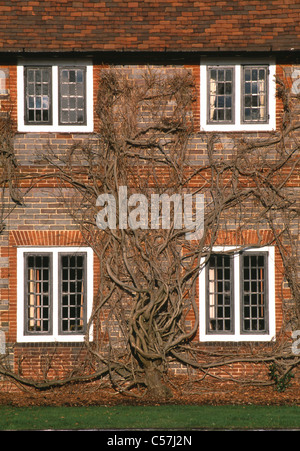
{"type": "Point", "coordinates": [220, 94]}
{"type": "Point", "coordinates": [38, 87]}
{"type": "Point", "coordinates": [254, 295]}
{"type": "Point", "coordinates": [72, 293]}
{"type": "Point", "coordinates": [219, 294]}
{"type": "Point", "coordinates": [72, 109]}
{"type": "Point", "coordinates": [255, 88]}
{"type": "Point", "coordinates": [37, 294]}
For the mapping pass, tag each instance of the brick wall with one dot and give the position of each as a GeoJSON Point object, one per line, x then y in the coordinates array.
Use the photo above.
{"type": "Point", "coordinates": [45, 221]}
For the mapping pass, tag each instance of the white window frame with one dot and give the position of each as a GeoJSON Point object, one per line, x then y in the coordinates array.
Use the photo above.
{"type": "Point", "coordinates": [237, 125]}
{"type": "Point", "coordinates": [237, 335]}
{"type": "Point", "coordinates": [55, 336]}
{"type": "Point", "coordinates": [55, 126]}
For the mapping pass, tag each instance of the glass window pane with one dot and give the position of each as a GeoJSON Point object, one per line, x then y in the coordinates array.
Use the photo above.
{"type": "Point", "coordinates": [37, 84]}
{"type": "Point", "coordinates": [219, 294]}
{"type": "Point", "coordinates": [45, 76]}
{"type": "Point", "coordinates": [255, 91]}
{"type": "Point", "coordinates": [228, 115]}
{"type": "Point", "coordinates": [228, 75]}
{"type": "Point", "coordinates": [72, 102]}
{"type": "Point", "coordinates": [73, 293]}
{"type": "Point", "coordinates": [72, 76]}
{"type": "Point", "coordinates": [30, 75]}
{"type": "Point", "coordinates": [79, 76]}
{"type": "Point", "coordinates": [37, 294]}
{"type": "Point", "coordinates": [38, 76]}
{"type": "Point", "coordinates": [220, 94]}
{"type": "Point", "coordinates": [80, 116]}
{"type": "Point", "coordinates": [254, 294]}
{"type": "Point", "coordinates": [38, 102]}
{"type": "Point", "coordinates": [65, 76]}
{"type": "Point", "coordinates": [65, 89]}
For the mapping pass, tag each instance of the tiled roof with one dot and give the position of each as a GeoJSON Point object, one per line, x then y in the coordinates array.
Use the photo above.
{"type": "Point", "coordinates": [149, 25]}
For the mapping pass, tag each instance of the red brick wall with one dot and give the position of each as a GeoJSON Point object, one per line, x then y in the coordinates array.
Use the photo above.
{"type": "Point", "coordinates": [45, 222]}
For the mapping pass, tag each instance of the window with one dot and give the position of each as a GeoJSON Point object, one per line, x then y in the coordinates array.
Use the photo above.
{"type": "Point", "coordinates": [38, 95]}
{"type": "Point", "coordinates": [72, 100]}
{"type": "Point", "coordinates": [38, 287]}
{"type": "Point", "coordinates": [254, 95]}
{"type": "Point", "coordinates": [237, 296]}
{"type": "Point", "coordinates": [55, 97]}
{"type": "Point", "coordinates": [54, 293]}
{"type": "Point", "coordinates": [4, 74]}
{"type": "Point", "coordinates": [72, 293]}
{"type": "Point", "coordinates": [219, 292]}
{"type": "Point", "coordinates": [254, 303]}
{"type": "Point", "coordinates": [220, 94]}
{"type": "Point", "coordinates": [239, 96]}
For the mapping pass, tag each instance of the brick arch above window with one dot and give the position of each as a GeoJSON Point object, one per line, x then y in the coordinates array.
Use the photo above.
{"type": "Point", "coordinates": [260, 237]}
{"type": "Point", "coordinates": [46, 238]}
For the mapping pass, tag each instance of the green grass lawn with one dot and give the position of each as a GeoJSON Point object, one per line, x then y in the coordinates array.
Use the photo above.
{"type": "Point", "coordinates": [150, 417]}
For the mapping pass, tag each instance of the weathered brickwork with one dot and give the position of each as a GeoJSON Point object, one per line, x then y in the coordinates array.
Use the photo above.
{"type": "Point", "coordinates": [53, 360]}
{"type": "Point", "coordinates": [44, 221]}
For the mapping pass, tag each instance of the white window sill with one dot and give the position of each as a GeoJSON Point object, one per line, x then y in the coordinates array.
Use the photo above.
{"type": "Point", "coordinates": [55, 127]}
{"type": "Point", "coordinates": [237, 336]}
{"type": "Point", "coordinates": [22, 128]}
{"type": "Point", "coordinates": [52, 339]}
{"type": "Point", "coordinates": [55, 336]}
{"type": "Point", "coordinates": [238, 126]}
